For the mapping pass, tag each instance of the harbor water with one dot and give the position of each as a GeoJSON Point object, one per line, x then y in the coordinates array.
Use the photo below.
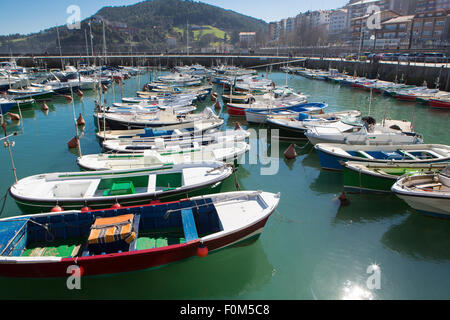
{"type": "Point", "coordinates": [311, 248]}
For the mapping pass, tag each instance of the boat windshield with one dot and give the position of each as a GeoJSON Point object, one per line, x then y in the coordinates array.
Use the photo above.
{"type": "Point", "coordinates": [353, 121]}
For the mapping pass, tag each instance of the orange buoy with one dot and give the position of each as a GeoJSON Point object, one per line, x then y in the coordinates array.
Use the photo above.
{"type": "Point", "coordinates": [80, 121]}
{"type": "Point", "coordinates": [116, 206]}
{"type": "Point", "coordinates": [57, 208]}
{"type": "Point", "coordinates": [237, 126]}
{"type": "Point", "coordinates": [80, 93]}
{"type": "Point", "coordinates": [73, 143]}
{"type": "Point", "coordinates": [45, 107]}
{"type": "Point", "coordinates": [86, 209]}
{"type": "Point", "coordinates": [68, 97]}
{"type": "Point", "coordinates": [290, 152]}
{"type": "Point", "coordinates": [13, 116]}
{"type": "Point", "coordinates": [343, 199]}
{"type": "Point", "coordinates": [202, 251]}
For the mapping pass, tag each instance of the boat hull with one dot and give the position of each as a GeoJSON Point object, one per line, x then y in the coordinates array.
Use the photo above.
{"type": "Point", "coordinates": [428, 205]}
{"type": "Point", "coordinates": [31, 206]}
{"type": "Point", "coordinates": [130, 261]}
{"type": "Point", "coordinates": [357, 181]}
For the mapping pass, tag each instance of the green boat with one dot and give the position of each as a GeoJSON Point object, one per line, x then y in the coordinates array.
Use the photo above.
{"type": "Point", "coordinates": [379, 178]}
{"type": "Point", "coordinates": [103, 189]}
{"type": "Point", "coordinates": [37, 94]}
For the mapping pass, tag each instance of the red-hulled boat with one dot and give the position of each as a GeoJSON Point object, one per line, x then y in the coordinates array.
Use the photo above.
{"type": "Point", "coordinates": [440, 103]}
{"type": "Point", "coordinates": [132, 238]}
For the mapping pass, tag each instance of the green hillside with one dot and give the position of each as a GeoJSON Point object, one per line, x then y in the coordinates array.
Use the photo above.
{"type": "Point", "coordinates": [142, 27]}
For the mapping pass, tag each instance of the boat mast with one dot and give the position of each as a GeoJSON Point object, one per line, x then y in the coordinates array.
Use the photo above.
{"type": "Point", "coordinates": [92, 45]}
{"type": "Point", "coordinates": [104, 42]}
{"type": "Point", "coordinates": [87, 47]}
{"type": "Point", "coordinates": [60, 52]}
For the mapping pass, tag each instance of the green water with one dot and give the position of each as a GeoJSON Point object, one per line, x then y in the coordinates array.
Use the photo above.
{"type": "Point", "coordinates": [310, 249]}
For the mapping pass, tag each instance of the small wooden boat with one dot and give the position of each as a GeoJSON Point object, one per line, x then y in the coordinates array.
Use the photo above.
{"type": "Point", "coordinates": [174, 132]}
{"type": "Point", "coordinates": [380, 177]}
{"type": "Point", "coordinates": [389, 132]}
{"type": "Point", "coordinates": [148, 236]}
{"type": "Point", "coordinates": [10, 104]}
{"type": "Point", "coordinates": [150, 158]}
{"type": "Point", "coordinates": [242, 98]}
{"type": "Point", "coordinates": [160, 119]}
{"type": "Point", "coordinates": [332, 155]}
{"type": "Point", "coordinates": [260, 116]}
{"type": "Point", "coordinates": [178, 145]}
{"type": "Point", "coordinates": [295, 128]}
{"type": "Point", "coordinates": [426, 193]}
{"type": "Point", "coordinates": [31, 93]}
{"type": "Point", "coordinates": [102, 189]}
{"type": "Point", "coordinates": [441, 103]}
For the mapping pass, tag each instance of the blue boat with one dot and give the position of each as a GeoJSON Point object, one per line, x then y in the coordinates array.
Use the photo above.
{"type": "Point", "coordinates": [332, 156]}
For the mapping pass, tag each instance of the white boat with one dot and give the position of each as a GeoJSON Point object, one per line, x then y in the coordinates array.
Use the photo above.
{"type": "Point", "coordinates": [214, 152]}
{"type": "Point", "coordinates": [331, 156]}
{"type": "Point", "coordinates": [160, 119]}
{"type": "Point", "coordinates": [102, 189]}
{"type": "Point", "coordinates": [189, 144]}
{"type": "Point", "coordinates": [391, 132]}
{"type": "Point", "coordinates": [426, 193]}
{"type": "Point", "coordinates": [174, 132]}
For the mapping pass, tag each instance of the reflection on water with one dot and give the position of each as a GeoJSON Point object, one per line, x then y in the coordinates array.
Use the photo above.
{"type": "Point", "coordinates": [227, 273]}
{"type": "Point", "coordinates": [352, 291]}
{"type": "Point", "coordinates": [420, 237]}
{"type": "Point", "coordinates": [370, 207]}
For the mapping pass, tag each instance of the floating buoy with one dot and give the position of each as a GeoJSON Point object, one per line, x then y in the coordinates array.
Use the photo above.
{"type": "Point", "coordinates": [57, 208]}
{"type": "Point", "coordinates": [213, 97]}
{"type": "Point", "coordinates": [80, 93]}
{"type": "Point", "coordinates": [144, 88]}
{"type": "Point", "coordinates": [73, 143]}
{"type": "Point", "coordinates": [116, 206]}
{"type": "Point", "coordinates": [68, 97]}
{"type": "Point", "coordinates": [343, 199]}
{"type": "Point", "coordinates": [202, 251]}
{"type": "Point", "coordinates": [217, 105]}
{"type": "Point", "coordinates": [105, 88]}
{"type": "Point", "coordinates": [86, 209]}
{"type": "Point", "coordinates": [45, 107]}
{"type": "Point", "coordinates": [13, 116]}
{"type": "Point", "coordinates": [237, 126]}
{"type": "Point", "coordinates": [290, 152]}
{"type": "Point", "coordinates": [80, 121]}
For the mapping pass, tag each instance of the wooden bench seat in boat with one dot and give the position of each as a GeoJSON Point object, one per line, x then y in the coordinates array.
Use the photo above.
{"type": "Point", "coordinates": [428, 185]}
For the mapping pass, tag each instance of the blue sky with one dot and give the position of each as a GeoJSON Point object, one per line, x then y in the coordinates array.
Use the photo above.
{"type": "Point", "coordinates": [29, 16]}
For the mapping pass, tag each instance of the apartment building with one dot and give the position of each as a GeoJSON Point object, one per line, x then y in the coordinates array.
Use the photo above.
{"type": "Point", "coordinates": [432, 5]}
{"type": "Point", "coordinates": [338, 21]}
{"type": "Point", "coordinates": [431, 28]}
